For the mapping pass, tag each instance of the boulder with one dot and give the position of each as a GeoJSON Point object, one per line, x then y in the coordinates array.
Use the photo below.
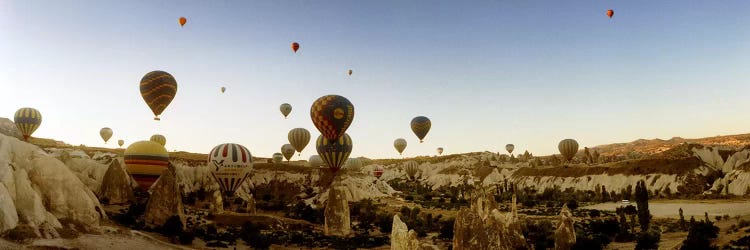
{"type": "Point", "coordinates": [165, 200]}
{"type": "Point", "coordinates": [565, 234]}
{"type": "Point", "coordinates": [337, 213]}
{"type": "Point", "coordinates": [402, 238]}
{"type": "Point", "coordinates": [116, 187]}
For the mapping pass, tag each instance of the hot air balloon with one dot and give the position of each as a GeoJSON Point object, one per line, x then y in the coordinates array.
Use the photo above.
{"type": "Point", "coordinates": [277, 158]}
{"type": "Point", "coordinates": [411, 168]}
{"type": "Point", "coordinates": [159, 139]}
{"type": "Point", "coordinates": [158, 88]}
{"type": "Point", "coordinates": [568, 148]}
{"type": "Point", "coordinates": [120, 142]}
{"type": "Point", "coordinates": [440, 151]}
{"type": "Point", "coordinates": [400, 145]}
{"type": "Point", "coordinates": [611, 13]}
{"type": "Point", "coordinates": [183, 20]}
{"type": "Point", "coordinates": [378, 172]}
{"type": "Point", "coordinates": [285, 108]}
{"type": "Point", "coordinates": [230, 165]}
{"type": "Point", "coordinates": [332, 115]}
{"type": "Point", "coordinates": [105, 133]}
{"type": "Point", "coordinates": [350, 72]}
{"type": "Point", "coordinates": [145, 160]}
{"type": "Point", "coordinates": [223, 89]}
{"type": "Point", "coordinates": [27, 120]}
{"type": "Point", "coordinates": [353, 165]}
{"type": "Point", "coordinates": [299, 137]}
{"type": "Point", "coordinates": [315, 161]}
{"type": "Point", "coordinates": [509, 148]}
{"type": "Point", "coordinates": [334, 152]}
{"type": "Point", "coordinates": [288, 151]}
{"type": "Point", "coordinates": [420, 125]}
{"type": "Point", "coordinates": [295, 47]}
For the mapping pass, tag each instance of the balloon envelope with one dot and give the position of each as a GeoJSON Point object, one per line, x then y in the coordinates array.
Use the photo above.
{"type": "Point", "coordinates": [27, 120]}
{"type": "Point", "coordinates": [378, 172]}
{"type": "Point", "coordinates": [158, 88]}
{"type": "Point", "coordinates": [230, 165]}
{"type": "Point", "coordinates": [295, 47]}
{"type": "Point", "coordinates": [350, 72]}
{"type": "Point", "coordinates": [332, 115]}
{"type": "Point", "coordinates": [145, 160]}
{"type": "Point", "coordinates": [440, 151]}
{"type": "Point", "coordinates": [411, 168]}
{"type": "Point", "coordinates": [223, 89]}
{"type": "Point", "coordinates": [285, 109]}
{"type": "Point", "coordinates": [334, 152]}
{"type": "Point", "coordinates": [510, 148]}
{"type": "Point", "coordinates": [568, 148]}
{"type": "Point", "coordinates": [182, 21]}
{"type": "Point", "coordinates": [353, 165]}
{"type": "Point", "coordinates": [159, 139]}
{"type": "Point", "coordinates": [610, 13]}
{"type": "Point", "coordinates": [299, 138]}
{"type": "Point", "coordinates": [420, 125]}
{"type": "Point", "coordinates": [277, 158]}
{"type": "Point", "coordinates": [316, 161]}
{"type": "Point", "coordinates": [120, 142]}
{"type": "Point", "coordinates": [288, 151]}
{"type": "Point", "coordinates": [400, 145]}
{"type": "Point", "coordinates": [105, 133]}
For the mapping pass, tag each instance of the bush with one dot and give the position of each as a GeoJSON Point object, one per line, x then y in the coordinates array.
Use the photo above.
{"type": "Point", "coordinates": [409, 198]}
{"type": "Point", "coordinates": [572, 204]}
{"type": "Point", "coordinates": [249, 232]}
{"type": "Point", "coordinates": [385, 223]}
{"type": "Point", "coordinates": [186, 238]}
{"type": "Point", "coordinates": [446, 229]}
{"type": "Point", "coordinates": [700, 236]}
{"type": "Point", "coordinates": [648, 240]}
{"type": "Point", "coordinates": [743, 223]}
{"type": "Point", "coordinates": [594, 213]}
{"type": "Point", "coordinates": [172, 227]}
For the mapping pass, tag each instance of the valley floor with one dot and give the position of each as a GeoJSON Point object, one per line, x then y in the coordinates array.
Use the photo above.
{"type": "Point", "coordinates": [697, 208]}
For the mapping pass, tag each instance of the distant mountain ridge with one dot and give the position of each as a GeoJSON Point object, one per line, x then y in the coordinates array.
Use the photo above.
{"type": "Point", "coordinates": [654, 146]}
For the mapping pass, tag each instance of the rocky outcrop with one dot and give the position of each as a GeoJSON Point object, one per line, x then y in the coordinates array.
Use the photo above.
{"type": "Point", "coordinates": [8, 215]}
{"type": "Point", "coordinates": [8, 128]}
{"type": "Point", "coordinates": [337, 213]}
{"type": "Point", "coordinates": [116, 187]}
{"type": "Point", "coordinates": [402, 238]}
{"type": "Point", "coordinates": [165, 200]}
{"type": "Point", "coordinates": [482, 226]}
{"type": "Point", "coordinates": [565, 234]}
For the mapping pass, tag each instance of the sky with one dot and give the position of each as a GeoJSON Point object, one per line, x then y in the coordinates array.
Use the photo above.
{"type": "Point", "coordinates": [487, 73]}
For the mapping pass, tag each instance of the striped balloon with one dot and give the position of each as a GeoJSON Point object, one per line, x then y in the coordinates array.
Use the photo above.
{"type": "Point", "coordinates": [353, 165]}
{"type": "Point", "coordinates": [334, 152]}
{"type": "Point", "coordinates": [400, 145]}
{"type": "Point", "coordinates": [230, 165]}
{"type": "Point", "coordinates": [277, 158]}
{"type": "Point", "coordinates": [159, 139]}
{"type": "Point", "coordinates": [411, 168]}
{"type": "Point", "coordinates": [27, 120]}
{"type": "Point", "coordinates": [420, 125]}
{"type": "Point", "coordinates": [145, 160]}
{"type": "Point", "coordinates": [568, 148]}
{"type": "Point", "coordinates": [378, 172]}
{"type": "Point", "coordinates": [288, 151]}
{"type": "Point", "coordinates": [299, 138]}
{"type": "Point", "coordinates": [158, 88]}
{"type": "Point", "coordinates": [332, 115]}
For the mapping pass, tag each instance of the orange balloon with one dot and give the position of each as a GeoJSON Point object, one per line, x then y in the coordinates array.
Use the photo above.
{"type": "Point", "coordinates": [295, 46]}
{"type": "Point", "coordinates": [183, 20]}
{"type": "Point", "coordinates": [610, 13]}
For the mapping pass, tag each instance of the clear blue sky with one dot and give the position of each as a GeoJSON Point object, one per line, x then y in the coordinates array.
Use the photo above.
{"type": "Point", "coordinates": [486, 73]}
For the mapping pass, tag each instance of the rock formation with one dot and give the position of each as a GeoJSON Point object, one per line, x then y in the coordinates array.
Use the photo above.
{"type": "Point", "coordinates": [482, 226]}
{"type": "Point", "coordinates": [165, 200]}
{"type": "Point", "coordinates": [565, 234]}
{"type": "Point", "coordinates": [8, 127]}
{"type": "Point", "coordinates": [8, 215]}
{"type": "Point", "coordinates": [402, 238]}
{"type": "Point", "coordinates": [337, 212]}
{"type": "Point", "coordinates": [116, 187]}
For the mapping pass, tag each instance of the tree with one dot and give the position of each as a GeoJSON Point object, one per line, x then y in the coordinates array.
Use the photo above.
{"type": "Point", "coordinates": [627, 192]}
{"type": "Point", "coordinates": [648, 240]}
{"type": "Point", "coordinates": [605, 195]}
{"type": "Point", "coordinates": [641, 199]}
{"type": "Point", "coordinates": [700, 236]}
{"type": "Point", "coordinates": [683, 224]}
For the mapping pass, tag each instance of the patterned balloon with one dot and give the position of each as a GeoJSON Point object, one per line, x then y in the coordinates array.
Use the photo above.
{"type": "Point", "coordinates": [27, 120]}
{"type": "Point", "coordinates": [420, 125]}
{"type": "Point", "coordinates": [145, 161]}
{"type": "Point", "coordinates": [400, 145]}
{"type": "Point", "coordinates": [120, 142]}
{"type": "Point", "coordinates": [315, 161]}
{"type": "Point", "coordinates": [158, 88]}
{"type": "Point", "coordinates": [105, 133]}
{"type": "Point", "coordinates": [510, 148]}
{"type": "Point", "coordinates": [299, 138]}
{"type": "Point", "coordinates": [159, 139]}
{"type": "Point", "coordinates": [285, 108]}
{"type": "Point", "coordinates": [411, 168]}
{"type": "Point", "coordinates": [230, 165]}
{"type": "Point", "coordinates": [440, 151]}
{"type": "Point", "coordinates": [288, 151]}
{"type": "Point", "coordinates": [334, 152]}
{"type": "Point", "coordinates": [277, 158]}
{"type": "Point", "coordinates": [332, 115]}
{"type": "Point", "coordinates": [568, 148]}
{"type": "Point", "coordinates": [378, 172]}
